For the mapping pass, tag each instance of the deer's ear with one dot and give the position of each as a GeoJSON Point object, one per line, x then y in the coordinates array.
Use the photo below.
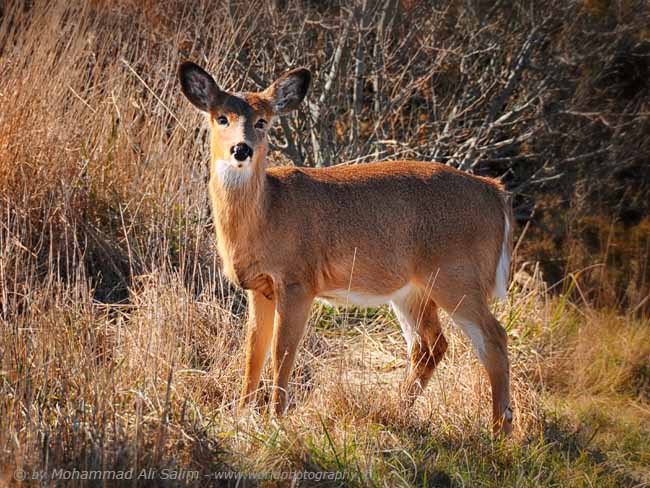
{"type": "Point", "coordinates": [286, 93]}
{"type": "Point", "coordinates": [198, 86]}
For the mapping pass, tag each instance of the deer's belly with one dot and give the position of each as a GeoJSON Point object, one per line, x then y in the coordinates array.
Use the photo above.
{"type": "Point", "coordinates": [343, 298]}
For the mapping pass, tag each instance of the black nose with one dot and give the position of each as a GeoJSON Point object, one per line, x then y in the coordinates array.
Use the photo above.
{"type": "Point", "coordinates": [241, 151]}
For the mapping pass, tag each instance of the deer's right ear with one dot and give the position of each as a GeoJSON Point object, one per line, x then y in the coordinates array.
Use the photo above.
{"type": "Point", "coordinates": [198, 86]}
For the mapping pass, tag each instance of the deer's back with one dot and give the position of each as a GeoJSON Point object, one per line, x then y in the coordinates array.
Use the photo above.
{"type": "Point", "coordinates": [397, 216]}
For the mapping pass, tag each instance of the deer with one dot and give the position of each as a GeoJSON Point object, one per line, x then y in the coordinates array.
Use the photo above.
{"type": "Point", "coordinates": [420, 236]}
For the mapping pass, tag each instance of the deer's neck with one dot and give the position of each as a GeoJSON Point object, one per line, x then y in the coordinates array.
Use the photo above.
{"type": "Point", "coordinates": [238, 202]}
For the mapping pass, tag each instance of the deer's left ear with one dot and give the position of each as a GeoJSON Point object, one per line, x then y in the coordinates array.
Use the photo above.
{"type": "Point", "coordinates": [286, 93]}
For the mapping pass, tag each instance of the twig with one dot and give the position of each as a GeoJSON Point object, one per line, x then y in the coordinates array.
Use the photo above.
{"type": "Point", "coordinates": [153, 93]}
{"type": "Point", "coordinates": [316, 109]}
{"type": "Point", "coordinates": [522, 61]}
{"type": "Point", "coordinates": [81, 99]}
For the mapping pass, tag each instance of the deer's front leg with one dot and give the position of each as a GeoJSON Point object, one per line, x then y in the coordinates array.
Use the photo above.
{"type": "Point", "coordinates": [291, 315]}
{"type": "Point", "coordinates": [261, 311]}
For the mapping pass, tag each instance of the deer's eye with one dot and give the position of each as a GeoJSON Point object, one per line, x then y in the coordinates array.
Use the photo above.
{"type": "Point", "coordinates": [260, 124]}
{"type": "Point", "coordinates": [222, 120]}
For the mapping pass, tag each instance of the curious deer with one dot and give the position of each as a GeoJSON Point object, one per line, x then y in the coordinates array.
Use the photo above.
{"type": "Point", "coordinates": [417, 235]}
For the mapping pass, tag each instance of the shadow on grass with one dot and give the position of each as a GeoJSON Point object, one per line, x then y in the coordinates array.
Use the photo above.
{"type": "Point", "coordinates": [555, 453]}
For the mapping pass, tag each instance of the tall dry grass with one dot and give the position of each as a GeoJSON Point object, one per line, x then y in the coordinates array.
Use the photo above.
{"type": "Point", "coordinates": [120, 343]}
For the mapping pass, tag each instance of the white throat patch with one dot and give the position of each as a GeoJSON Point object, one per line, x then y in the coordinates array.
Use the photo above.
{"type": "Point", "coordinates": [233, 173]}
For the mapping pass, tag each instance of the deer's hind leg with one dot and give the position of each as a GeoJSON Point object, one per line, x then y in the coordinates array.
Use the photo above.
{"type": "Point", "coordinates": [426, 345]}
{"type": "Point", "coordinates": [490, 342]}
{"type": "Point", "coordinates": [467, 305]}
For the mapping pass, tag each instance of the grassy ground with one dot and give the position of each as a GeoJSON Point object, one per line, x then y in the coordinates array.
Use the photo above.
{"type": "Point", "coordinates": [120, 345]}
{"type": "Point", "coordinates": [153, 385]}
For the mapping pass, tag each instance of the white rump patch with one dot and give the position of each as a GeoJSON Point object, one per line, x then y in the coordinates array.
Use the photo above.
{"type": "Point", "coordinates": [233, 173]}
{"type": "Point", "coordinates": [503, 267]}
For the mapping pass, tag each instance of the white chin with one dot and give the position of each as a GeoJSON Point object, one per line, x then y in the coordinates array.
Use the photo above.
{"type": "Point", "coordinates": [232, 173]}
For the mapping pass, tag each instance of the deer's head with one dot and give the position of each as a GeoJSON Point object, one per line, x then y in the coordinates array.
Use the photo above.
{"type": "Point", "coordinates": [239, 122]}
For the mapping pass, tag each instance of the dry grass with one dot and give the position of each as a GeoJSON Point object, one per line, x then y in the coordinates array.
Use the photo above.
{"type": "Point", "coordinates": [120, 344]}
{"type": "Point", "coordinates": [154, 383]}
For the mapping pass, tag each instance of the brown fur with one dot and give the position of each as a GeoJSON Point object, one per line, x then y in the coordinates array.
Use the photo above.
{"type": "Point", "coordinates": [288, 235]}
{"type": "Point", "coordinates": [394, 222]}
